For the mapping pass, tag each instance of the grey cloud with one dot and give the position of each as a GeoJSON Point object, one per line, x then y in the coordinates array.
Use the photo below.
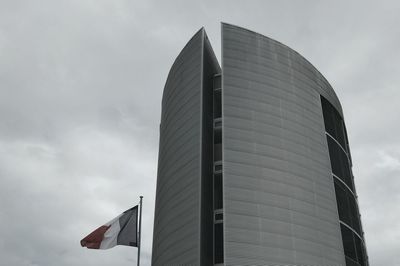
{"type": "Point", "coordinates": [80, 101]}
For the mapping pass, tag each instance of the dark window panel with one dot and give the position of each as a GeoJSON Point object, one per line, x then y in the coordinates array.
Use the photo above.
{"type": "Point", "coordinates": [217, 152]}
{"type": "Point", "coordinates": [217, 82]}
{"type": "Point", "coordinates": [342, 203]}
{"type": "Point", "coordinates": [217, 104]}
{"type": "Point", "coordinates": [333, 122]}
{"type": "Point", "coordinates": [350, 262]}
{"type": "Point", "coordinates": [347, 207]}
{"type": "Point", "coordinates": [327, 111]}
{"type": "Point", "coordinates": [339, 162]}
{"type": "Point", "coordinates": [360, 251]}
{"type": "Point", "coordinates": [348, 243]}
{"type": "Point", "coordinates": [217, 191]}
{"type": "Point", "coordinates": [218, 243]}
{"type": "Point", "coordinates": [217, 136]}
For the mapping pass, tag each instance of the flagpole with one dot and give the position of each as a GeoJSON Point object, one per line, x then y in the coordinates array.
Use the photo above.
{"type": "Point", "coordinates": [140, 231]}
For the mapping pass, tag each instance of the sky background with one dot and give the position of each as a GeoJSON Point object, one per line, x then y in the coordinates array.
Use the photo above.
{"type": "Point", "coordinates": [80, 100]}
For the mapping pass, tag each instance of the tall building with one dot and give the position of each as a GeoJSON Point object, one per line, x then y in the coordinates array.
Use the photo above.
{"type": "Point", "coordinates": [254, 161]}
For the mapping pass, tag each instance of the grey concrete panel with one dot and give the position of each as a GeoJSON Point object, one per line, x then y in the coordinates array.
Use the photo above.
{"type": "Point", "coordinates": [279, 200]}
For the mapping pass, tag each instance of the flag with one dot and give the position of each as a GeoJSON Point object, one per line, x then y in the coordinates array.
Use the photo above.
{"type": "Point", "coordinates": [122, 230]}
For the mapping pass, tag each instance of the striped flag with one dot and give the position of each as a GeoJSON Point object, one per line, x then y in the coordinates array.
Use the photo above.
{"type": "Point", "coordinates": [122, 230]}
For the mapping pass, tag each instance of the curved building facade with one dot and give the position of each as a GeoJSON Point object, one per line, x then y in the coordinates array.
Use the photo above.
{"type": "Point", "coordinates": [254, 161]}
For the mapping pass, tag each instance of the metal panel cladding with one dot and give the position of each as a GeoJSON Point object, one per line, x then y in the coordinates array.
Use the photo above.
{"type": "Point", "coordinates": [279, 199]}
{"type": "Point", "coordinates": [178, 237]}
{"type": "Point", "coordinates": [177, 222]}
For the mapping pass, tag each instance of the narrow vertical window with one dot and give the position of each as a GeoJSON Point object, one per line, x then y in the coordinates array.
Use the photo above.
{"type": "Point", "coordinates": [217, 191]}
{"type": "Point", "coordinates": [339, 154]}
{"type": "Point", "coordinates": [218, 243]}
{"type": "Point", "coordinates": [218, 246]}
{"type": "Point", "coordinates": [217, 97]}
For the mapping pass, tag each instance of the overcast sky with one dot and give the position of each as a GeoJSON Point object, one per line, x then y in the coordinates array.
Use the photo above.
{"type": "Point", "coordinates": [80, 95]}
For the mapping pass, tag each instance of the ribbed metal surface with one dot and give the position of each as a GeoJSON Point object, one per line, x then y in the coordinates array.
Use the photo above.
{"type": "Point", "coordinates": [176, 239]}
{"type": "Point", "coordinates": [279, 200]}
